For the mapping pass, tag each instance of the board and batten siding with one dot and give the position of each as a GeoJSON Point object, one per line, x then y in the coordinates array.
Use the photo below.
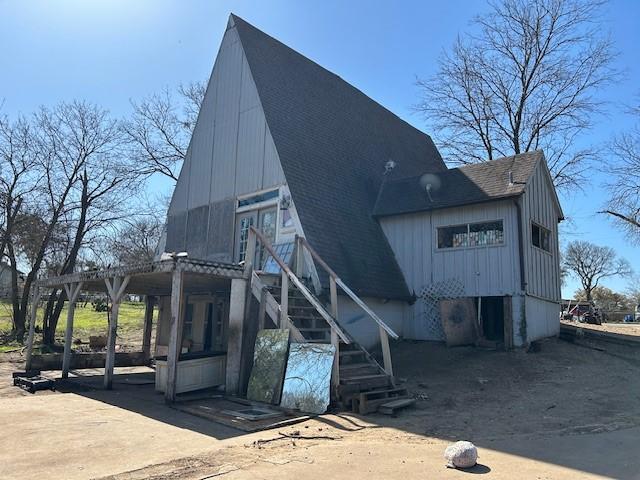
{"type": "Point", "coordinates": [231, 153]}
{"type": "Point", "coordinates": [542, 268]}
{"type": "Point", "coordinates": [484, 271]}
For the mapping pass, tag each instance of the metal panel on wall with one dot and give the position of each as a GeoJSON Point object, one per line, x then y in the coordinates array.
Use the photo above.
{"type": "Point", "coordinates": [176, 225]}
{"type": "Point", "coordinates": [221, 230]}
{"type": "Point", "coordinates": [196, 234]}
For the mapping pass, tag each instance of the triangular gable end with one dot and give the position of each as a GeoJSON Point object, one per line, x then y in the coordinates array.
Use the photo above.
{"type": "Point", "coordinates": [546, 173]}
{"type": "Point", "coordinates": [231, 153]}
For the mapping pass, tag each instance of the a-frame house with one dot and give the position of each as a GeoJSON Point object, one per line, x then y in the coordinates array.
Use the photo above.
{"type": "Point", "coordinates": [303, 204]}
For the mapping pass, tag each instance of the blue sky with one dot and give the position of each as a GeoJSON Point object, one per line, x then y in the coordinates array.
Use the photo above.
{"type": "Point", "coordinates": [109, 51]}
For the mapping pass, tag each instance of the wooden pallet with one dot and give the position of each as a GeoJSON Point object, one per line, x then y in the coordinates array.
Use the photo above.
{"type": "Point", "coordinates": [368, 402]}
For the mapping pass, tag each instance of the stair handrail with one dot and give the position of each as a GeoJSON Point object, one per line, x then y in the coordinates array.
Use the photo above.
{"type": "Point", "coordinates": [335, 281]}
{"type": "Point", "coordinates": [287, 274]}
{"type": "Point", "coordinates": [347, 290]}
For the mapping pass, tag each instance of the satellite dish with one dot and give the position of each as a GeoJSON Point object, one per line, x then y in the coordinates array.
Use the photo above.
{"type": "Point", "coordinates": [430, 183]}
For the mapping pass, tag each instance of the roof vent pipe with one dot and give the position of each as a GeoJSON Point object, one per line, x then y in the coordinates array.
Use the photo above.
{"type": "Point", "coordinates": [510, 178]}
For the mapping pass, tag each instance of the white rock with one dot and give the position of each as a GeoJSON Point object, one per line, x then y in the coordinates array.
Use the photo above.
{"type": "Point", "coordinates": [461, 455]}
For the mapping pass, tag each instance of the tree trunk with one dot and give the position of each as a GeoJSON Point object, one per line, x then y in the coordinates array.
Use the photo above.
{"type": "Point", "coordinates": [18, 327]}
{"type": "Point", "coordinates": [52, 314]}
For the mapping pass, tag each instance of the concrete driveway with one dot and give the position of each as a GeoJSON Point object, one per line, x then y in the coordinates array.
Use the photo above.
{"type": "Point", "coordinates": [94, 433]}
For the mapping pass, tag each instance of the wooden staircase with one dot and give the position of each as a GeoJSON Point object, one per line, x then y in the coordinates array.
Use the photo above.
{"type": "Point", "coordinates": [358, 380]}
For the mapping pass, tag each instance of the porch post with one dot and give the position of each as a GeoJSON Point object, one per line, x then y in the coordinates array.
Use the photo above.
{"type": "Point", "coordinates": [175, 336]}
{"type": "Point", "coordinates": [116, 290]}
{"type": "Point", "coordinates": [149, 302]}
{"type": "Point", "coordinates": [237, 303]}
{"type": "Point", "coordinates": [32, 326]}
{"type": "Point", "coordinates": [72, 291]}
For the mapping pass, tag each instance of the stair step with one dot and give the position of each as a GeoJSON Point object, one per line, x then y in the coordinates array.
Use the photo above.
{"type": "Point", "coordinates": [364, 369]}
{"type": "Point", "coordinates": [310, 330]}
{"type": "Point", "coordinates": [355, 366]}
{"type": "Point", "coordinates": [276, 294]}
{"type": "Point", "coordinates": [365, 378]}
{"type": "Point", "coordinates": [351, 353]}
{"type": "Point", "coordinates": [390, 408]}
{"type": "Point", "coordinates": [306, 317]}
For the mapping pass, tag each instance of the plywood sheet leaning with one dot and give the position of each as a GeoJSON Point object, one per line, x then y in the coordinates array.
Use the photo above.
{"type": "Point", "coordinates": [307, 381]}
{"type": "Point", "coordinates": [269, 360]}
{"type": "Point", "coordinates": [459, 321]}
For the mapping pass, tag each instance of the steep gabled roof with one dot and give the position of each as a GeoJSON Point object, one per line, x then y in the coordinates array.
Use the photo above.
{"type": "Point", "coordinates": [333, 143]}
{"type": "Point", "coordinates": [466, 185]}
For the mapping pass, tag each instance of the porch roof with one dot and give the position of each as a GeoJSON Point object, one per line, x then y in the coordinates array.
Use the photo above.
{"type": "Point", "coordinates": [153, 278]}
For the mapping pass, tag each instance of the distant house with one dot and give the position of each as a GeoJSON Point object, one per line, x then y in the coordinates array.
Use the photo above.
{"type": "Point", "coordinates": [5, 280]}
{"type": "Point", "coordinates": [304, 204]}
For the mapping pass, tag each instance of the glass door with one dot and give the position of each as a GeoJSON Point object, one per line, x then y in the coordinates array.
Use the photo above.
{"type": "Point", "coordinates": [265, 220]}
{"type": "Point", "coordinates": [267, 225]}
{"type": "Point", "coordinates": [243, 222]}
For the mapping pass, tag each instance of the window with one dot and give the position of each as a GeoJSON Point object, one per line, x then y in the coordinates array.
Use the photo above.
{"type": "Point", "coordinates": [261, 197]}
{"type": "Point", "coordinates": [187, 329]}
{"type": "Point", "coordinates": [541, 237]}
{"type": "Point", "coordinates": [284, 251]}
{"type": "Point", "coordinates": [244, 224]}
{"type": "Point", "coordinates": [471, 235]}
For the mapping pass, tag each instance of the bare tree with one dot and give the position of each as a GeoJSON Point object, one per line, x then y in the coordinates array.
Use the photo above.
{"type": "Point", "coordinates": [71, 157]}
{"type": "Point", "coordinates": [592, 263]}
{"type": "Point", "coordinates": [624, 180]}
{"type": "Point", "coordinates": [160, 129]}
{"type": "Point", "coordinates": [135, 241]}
{"type": "Point", "coordinates": [524, 80]}
{"type": "Point", "coordinates": [20, 176]}
{"type": "Point", "coordinates": [633, 291]}
{"type": "Point", "coordinates": [99, 190]}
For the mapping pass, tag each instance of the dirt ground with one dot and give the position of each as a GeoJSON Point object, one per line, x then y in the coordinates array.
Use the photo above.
{"type": "Point", "coordinates": [619, 328]}
{"type": "Point", "coordinates": [567, 411]}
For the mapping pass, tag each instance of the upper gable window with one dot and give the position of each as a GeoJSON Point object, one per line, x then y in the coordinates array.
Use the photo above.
{"type": "Point", "coordinates": [479, 234]}
{"type": "Point", "coordinates": [541, 237]}
{"type": "Point", "coordinates": [259, 198]}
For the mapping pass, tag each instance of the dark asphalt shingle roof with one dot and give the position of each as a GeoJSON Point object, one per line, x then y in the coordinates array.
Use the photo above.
{"type": "Point", "coordinates": [333, 142]}
{"type": "Point", "coordinates": [469, 184]}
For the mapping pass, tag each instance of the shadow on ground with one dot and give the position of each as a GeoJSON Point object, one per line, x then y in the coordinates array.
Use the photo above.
{"type": "Point", "coordinates": [135, 391]}
{"type": "Point", "coordinates": [572, 405]}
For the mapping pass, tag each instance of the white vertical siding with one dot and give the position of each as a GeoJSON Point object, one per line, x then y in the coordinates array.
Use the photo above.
{"type": "Point", "coordinates": [484, 271]}
{"type": "Point", "coordinates": [543, 318]}
{"type": "Point", "coordinates": [362, 327]}
{"type": "Point", "coordinates": [542, 269]}
{"type": "Point", "coordinates": [231, 151]}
